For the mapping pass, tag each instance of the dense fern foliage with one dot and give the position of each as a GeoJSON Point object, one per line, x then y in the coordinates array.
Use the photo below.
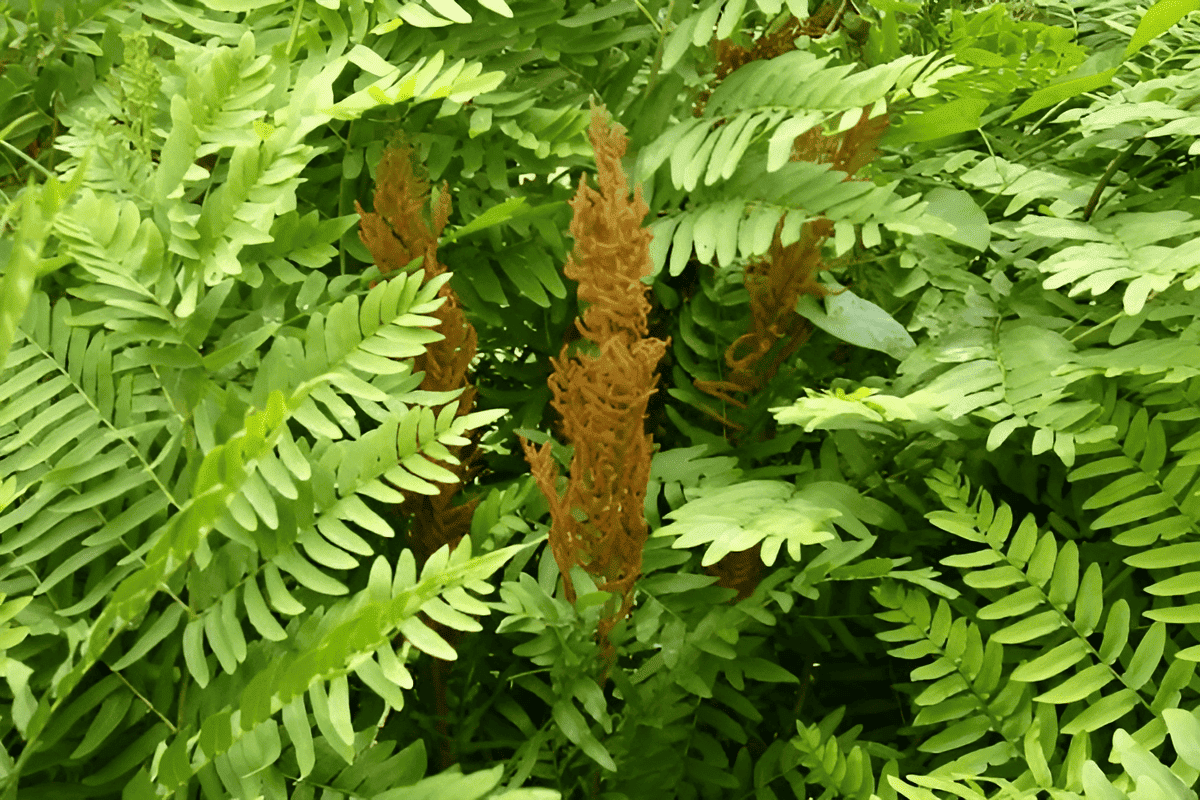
{"type": "Point", "coordinates": [922, 516]}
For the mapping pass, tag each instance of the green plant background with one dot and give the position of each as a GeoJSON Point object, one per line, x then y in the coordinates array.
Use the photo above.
{"type": "Point", "coordinates": [975, 486]}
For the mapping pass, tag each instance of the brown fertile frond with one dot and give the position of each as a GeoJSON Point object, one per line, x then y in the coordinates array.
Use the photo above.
{"type": "Point", "coordinates": [396, 233]}
{"type": "Point", "coordinates": [777, 282]}
{"type": "Point", "coordinates": [775, 285]}
{"type": "Point", "coordinates": [601, 396]}
{"type": "Point", "coordinates": [848, 151]}
{"type": "Point", "coordinates": [730, 56]}
{"type": "Point", "coordinates": [611, 252]}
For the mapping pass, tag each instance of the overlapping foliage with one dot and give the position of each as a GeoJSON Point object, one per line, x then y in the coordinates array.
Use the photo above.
{"type": "Point", "coordinates": [920, 523]}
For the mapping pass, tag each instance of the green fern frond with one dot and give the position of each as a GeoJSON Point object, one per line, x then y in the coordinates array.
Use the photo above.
{"type": "Point", "coordinates": [362, 626]}
{"type": "Point", "coordinates": [426, 80]}
{"type": "Point", "coordinates": [1037, 599]}
{"type": "Point", "coordinates": [773, 513]}
{"type": "Point", "coordinates": [841, 765]}
{"type": "Point", "coordinates": [1013, 385]}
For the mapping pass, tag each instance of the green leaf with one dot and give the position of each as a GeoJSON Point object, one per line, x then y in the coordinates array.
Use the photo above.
{"type": "Point", "coordinates": [1101, 713]}
{"type": "Point", "coordinates": [1136, 510]}
{"type": "Point", "coordinates": [1185, 583]}
{"type": "Point", "coordinates": [450, 10]}
{"type": "Point", "coordinates": [166, 624]}
{"type": "Point", "coordinates": [946, 119]}
{"type": "Point", "coordinates": [322, 715]}
{"type": "Point", "coordinates": [103, 723]}
{"type": "Point", "coordinates": [260, 615]}
{"type": "Point", "coordinates": [339, 709]}
{"type": "Point", "coordinates": [1185, 734]}
{"type": "Point", "coordinates": [678, 41]}
{"type": "Point", "coordinates": [1147, 657]}
{"type": "Point", "coordinates": [599, 13]}
{"type": "Point", "coordinates": [1079, 686]}
{"type": "Point", "coordinates": [1063, 90]}
{"type": "Point", "coordinates": [427, 640]}
{"type": "Point", "coordinates": [280, 597]}
{"type": "Point", "coordinates": [1028, 629]}
{"type": "Point", "coordinates": [219, 640]}
{"type": "Point", "coordinates": [670, 583]}
{"type": "Point", "coordinates": [501, 8]}
{"type": "Point", "coordinates": [295, 720]}
{"type": "Point", "coordinates": [1175, 555]}
{"type": "Point", "coordinates": [760, 669]}
{"type": "Point", "coordinates": [1052, 663]}
{"type": "Point", "coordinates": [306, 574]}
{"type": "Point", "coordinates": [971, 226]}
{"type": "Point", "coordinates": [193, 652]}
{"type": "Point", "coordinates": [575, 728]}
{"type": "Point", "coordinates": [512, 208]}
{"type": "Point", "coordinates": [858, 322]}
{"type": "Point", "coordinates": [957, 735]}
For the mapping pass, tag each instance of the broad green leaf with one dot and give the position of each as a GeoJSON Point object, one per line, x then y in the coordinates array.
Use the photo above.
{"type": "Point", "coordinates": [1089, 604]}
{"type": "Point", "coordinates": [1185, 583]}
{"type": "Point", "coordinates": [1175, 555]}
{"type": "Point", "coordinates": [103, 723]}
{"type": "Point", "coordinates": [1116, 631]}
{"type": "Point", "coordinates": [1101, 713]}
{"type": "Point", "coordinates": [1147, 657]}
{"type": "Point", "coordinates": [280, 597]}
{"type": "Point", "coordinates": [322, 714]}
{"type": "Point", "coordinates": [220, 640]}
{"type": "Point", "coordinates": [501, 8]}
{"type": "Point", "coordinates": [760, 669]}
{"type": "Point", "coordinates": [1185, 734]}
{"type": "Point", "coordinates": [960, 210]}
{"type": "Point", "coordinates": [1029, 629]}
{"type": "Point", "coordinates": [858, 322]}
{"type": "Point", "coordinates": [165, 625]}
{"type": "Point", "coordinates": [956, 116]}
{"type": "Point", "coordinates": [1141, 508]}
{"type": "Point", "coordinates": [339, 709]}
{"type": "Point", "coordinates": [306, 574]}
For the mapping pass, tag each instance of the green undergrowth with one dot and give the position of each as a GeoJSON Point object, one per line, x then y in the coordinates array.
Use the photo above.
{"type": "Point", "coordinates": [973, 488]}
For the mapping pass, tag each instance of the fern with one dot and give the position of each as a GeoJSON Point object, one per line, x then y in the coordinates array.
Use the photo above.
{"type": "Point", "coordinates": [208, 415]}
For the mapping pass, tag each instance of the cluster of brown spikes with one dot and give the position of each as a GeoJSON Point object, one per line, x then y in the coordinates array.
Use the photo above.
{"type": "Point", "coordinates": [601, 389]}
{"type": "Point", "coordinates": [396, 233]}
{"type": "Point", "coordinates": [599, 522]}
{"type": "Point", "coordinates": [777, 281]}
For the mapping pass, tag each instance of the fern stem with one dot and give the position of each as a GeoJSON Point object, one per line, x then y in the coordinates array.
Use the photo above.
{"type": "Point", "coordinates": [1117, 315]}
{"type": "Point", "coordinates": [295, 27]}
{"type": "Point", "coordinates": [833, 23]}
{"type": "Point", "coordinates": [649, 16]}
{"type": "Point", "coordinates": [35, 164]}
{"type": "Point", "coordinates": [662, 35]}
{"type": "Point", "coordinates": [142, 697]}
{"type": "Point", "coordinates": [1107, 176]}
{"type": "Point", "coordinates": [1097, 326]}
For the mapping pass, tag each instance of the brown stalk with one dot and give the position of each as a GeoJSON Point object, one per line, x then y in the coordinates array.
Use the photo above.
{"type": "Point", "coordinates": [598, 523]}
